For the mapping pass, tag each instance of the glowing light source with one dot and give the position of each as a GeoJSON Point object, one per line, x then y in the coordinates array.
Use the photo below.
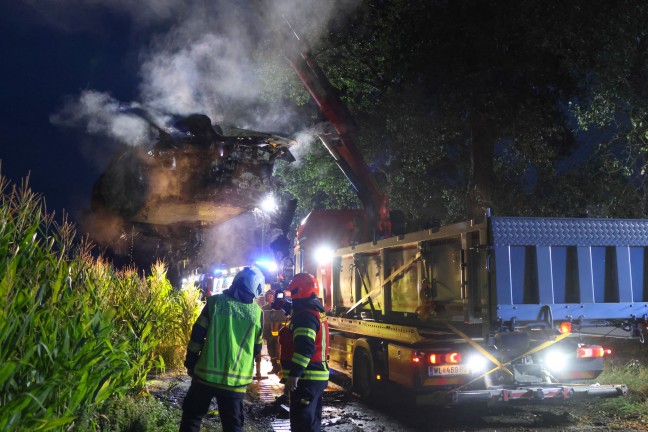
{"type": "Point", "coordinates": [269, 204]}
{"type": "Point", "coordinates": [267, 264]}
{"type": "Point", "coordinates": [454, 357]}
{"type": "Point", "coordinates": [477, 363]}
{"type": "Point", "coordinates": [565, 327]}
{"type": "Point", "coordinates": [556, 360]}
{"type": "Point", "coordinates": [324, 254]}
{"type": "Point", "coordinates": [590, 351]}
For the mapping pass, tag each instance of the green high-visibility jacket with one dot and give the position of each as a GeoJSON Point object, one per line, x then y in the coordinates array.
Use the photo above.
{"type": "Point", "coordinates": [227, 356]}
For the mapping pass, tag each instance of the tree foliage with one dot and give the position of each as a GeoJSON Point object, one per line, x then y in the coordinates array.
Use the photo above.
{"type": "Point", "coordinates": [525, 107]}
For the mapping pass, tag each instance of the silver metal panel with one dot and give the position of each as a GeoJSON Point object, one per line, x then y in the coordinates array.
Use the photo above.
{"type": "Point", "coordinates": [624, 274]}
{"type": "Point", "coordinates": [545, 275]}
{"type": "Point", "coordinates": [503, 275]}
{"type": "Point", "coordinates": [585, 274]}
{"type": "Point", "coordinates": [587, 311]}
{"type": "Point", "coordinates": [545, 236]}
{"type": "Point", "coordinates": [569, 232]}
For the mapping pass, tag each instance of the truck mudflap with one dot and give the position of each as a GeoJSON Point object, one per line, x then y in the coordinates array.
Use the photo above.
{"type": "Point", "coordinates": [538, 393]}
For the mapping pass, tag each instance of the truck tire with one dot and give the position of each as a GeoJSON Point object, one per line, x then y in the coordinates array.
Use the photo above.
{"type": "Point", "coordinates": [364, 383]}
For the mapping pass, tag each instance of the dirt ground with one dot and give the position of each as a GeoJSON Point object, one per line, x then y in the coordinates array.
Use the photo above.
{"type": "Point", "coordinates": [343, 412]}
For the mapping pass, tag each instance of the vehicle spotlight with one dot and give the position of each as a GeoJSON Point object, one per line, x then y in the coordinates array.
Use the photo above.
{"type": "Point", "coordinates": [269, 204]}
{"type": "Point", "coordinates": [477, 363]}
{"type": "Point", "coordinates": [555, 360]}
{"type": "Point", "coordinates": [269, 265]}
{"type": "Point", "coordinates": [324, 254]}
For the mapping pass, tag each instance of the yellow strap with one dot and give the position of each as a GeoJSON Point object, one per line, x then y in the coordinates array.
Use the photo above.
{"type": "Point", "coordinates": [386, 281]}
{"type": "Point", "coordinates": [480, 349]}
{"type": "Point", "coordinates": [494, 360]}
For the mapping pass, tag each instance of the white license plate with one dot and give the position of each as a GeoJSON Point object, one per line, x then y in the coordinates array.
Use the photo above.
{"type": "Point", "coordinates": [448, 370]}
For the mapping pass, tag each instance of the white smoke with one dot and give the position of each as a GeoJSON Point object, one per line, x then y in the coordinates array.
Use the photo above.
{"type": "Point", "coordinates": [103, 115]}
{"type": "Point", "coordinates": [204, 62]}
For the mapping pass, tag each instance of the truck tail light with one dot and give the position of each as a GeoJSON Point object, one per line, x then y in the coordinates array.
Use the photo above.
{"type": "Point", "coordinates": [590, 351]}
{"type": "Point", "coordinates": [453, 357]}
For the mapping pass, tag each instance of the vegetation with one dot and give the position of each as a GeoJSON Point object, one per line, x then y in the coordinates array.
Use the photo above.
{"type": "Point", "coordinates": [525, 107]}
{"type": "Point", "coordinates": [75, 331]}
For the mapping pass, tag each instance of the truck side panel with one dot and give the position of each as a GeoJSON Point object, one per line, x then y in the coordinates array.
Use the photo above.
{"type": "Point", "coordinates": [582, 269]}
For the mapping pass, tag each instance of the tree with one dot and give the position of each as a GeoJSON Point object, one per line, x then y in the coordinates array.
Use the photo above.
{"type": "Point", "coordinates": [471, 104]}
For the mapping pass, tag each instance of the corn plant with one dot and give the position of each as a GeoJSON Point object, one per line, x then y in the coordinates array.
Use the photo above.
{"type": "Point", "coordinates": [63, 347]}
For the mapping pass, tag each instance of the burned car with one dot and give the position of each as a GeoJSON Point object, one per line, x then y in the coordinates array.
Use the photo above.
{"type": "Point", "coordinates": [155, 202]}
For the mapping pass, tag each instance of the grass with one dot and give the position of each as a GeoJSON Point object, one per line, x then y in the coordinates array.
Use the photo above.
{"type": "Point", "coordinates": [628, 365]}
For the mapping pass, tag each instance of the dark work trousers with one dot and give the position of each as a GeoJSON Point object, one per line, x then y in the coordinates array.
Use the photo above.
{"type": "Point", "coordinates": [306, 406]}
{"type": "Point", "coordinates": [196, 405]}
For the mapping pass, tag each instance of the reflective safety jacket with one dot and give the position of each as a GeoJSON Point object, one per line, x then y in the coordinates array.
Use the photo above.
{"type": "Point", "coordinates": [304, 344]}
{"type": "Point", "coordinates": [226, 355]}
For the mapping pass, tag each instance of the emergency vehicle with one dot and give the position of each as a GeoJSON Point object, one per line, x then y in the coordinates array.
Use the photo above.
{"type": "Point", "coordinates": [495, 309]}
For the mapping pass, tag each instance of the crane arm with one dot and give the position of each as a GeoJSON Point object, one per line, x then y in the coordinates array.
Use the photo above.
{"type": "Point", "coordinates": [343, 149]}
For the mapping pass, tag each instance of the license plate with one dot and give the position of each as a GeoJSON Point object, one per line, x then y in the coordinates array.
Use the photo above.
{"type": "Point", "coordinates": [448, 370]}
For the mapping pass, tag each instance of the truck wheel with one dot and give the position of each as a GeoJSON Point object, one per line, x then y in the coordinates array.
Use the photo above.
{"type": "Point", "coordinates": [363, 374]}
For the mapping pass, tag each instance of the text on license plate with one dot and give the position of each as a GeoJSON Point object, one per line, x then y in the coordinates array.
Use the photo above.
{"type": "Point", "coordinates": [448, 370]}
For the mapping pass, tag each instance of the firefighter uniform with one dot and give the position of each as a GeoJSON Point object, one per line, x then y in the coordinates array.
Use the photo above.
{"type": "Point", "coordinates": [304, 345]}
{"type": "Point", "coordinates": [220, 356]}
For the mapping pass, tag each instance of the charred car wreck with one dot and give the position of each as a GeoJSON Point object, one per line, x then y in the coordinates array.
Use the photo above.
{"type": "Point", "coordinates": [156, 202]}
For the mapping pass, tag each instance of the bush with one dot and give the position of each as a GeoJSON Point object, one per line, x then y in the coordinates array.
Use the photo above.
{"type": "Point", "coordinates": [139, 414]}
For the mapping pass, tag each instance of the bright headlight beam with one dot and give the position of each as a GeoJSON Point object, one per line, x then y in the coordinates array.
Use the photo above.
{"type": "Point", "coordinates": [269, 204]}
{"type": "Point", "coordinates": [324, 254]}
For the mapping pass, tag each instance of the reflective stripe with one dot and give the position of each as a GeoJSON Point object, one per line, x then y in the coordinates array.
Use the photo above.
{"type": "Point", "coordinates": [304, 331]}
{"type": "Point", "coordinates": [314, 375]}
{"type": "Point", "coordinates": [213, 373]}
{"type": "Point", "coordinates": [194, 347]}
{"type": "Point", "coordinates": [240, 389]}
{"type": "Point", "coordinates": [301, 360]}
{"type": "Point", "coordinates": [203, 321]}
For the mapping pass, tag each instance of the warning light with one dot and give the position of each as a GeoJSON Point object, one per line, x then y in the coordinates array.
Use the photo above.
{"type": "Point", "coordinates": [378, 377]}
{"type": "Point", "coordinates": [565, 327]}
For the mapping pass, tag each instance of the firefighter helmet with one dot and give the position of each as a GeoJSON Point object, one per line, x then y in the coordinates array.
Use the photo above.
{"type": "Point", "coordinates": [303, 286]}
{"type": "Point", "coordinates": [250, 280]}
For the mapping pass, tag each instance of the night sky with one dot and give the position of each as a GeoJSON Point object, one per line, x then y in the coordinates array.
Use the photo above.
{"type": "Point", "coordinates": [71, 70]}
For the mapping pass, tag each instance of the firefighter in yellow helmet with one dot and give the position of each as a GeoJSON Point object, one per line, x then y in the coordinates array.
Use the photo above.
{"type": "Point", "coordinates": [220, 357]}
{"type": "Point", "coordinates": [304, 343]}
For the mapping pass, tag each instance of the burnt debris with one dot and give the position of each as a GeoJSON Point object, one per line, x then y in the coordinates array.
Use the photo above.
{"type": "Point", "coordinates": [154, 202]}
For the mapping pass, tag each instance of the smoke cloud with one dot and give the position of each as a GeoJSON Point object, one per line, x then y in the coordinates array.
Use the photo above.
{"type": "Point", "coordinates": [205, 61]}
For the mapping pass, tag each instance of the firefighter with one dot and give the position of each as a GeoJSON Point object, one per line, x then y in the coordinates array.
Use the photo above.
{"type": "Point", "coordinates": [272, 322]}
{"type": "Point", "coordinates": [220, 357]}
{"type": "Point", "coordinates": [304, 343]}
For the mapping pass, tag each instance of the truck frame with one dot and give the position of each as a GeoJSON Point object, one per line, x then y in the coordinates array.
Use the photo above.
{"type": "Point", "coordinates": [497, 309]}
{"type": "Point", "coordinates": [501, 309]}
